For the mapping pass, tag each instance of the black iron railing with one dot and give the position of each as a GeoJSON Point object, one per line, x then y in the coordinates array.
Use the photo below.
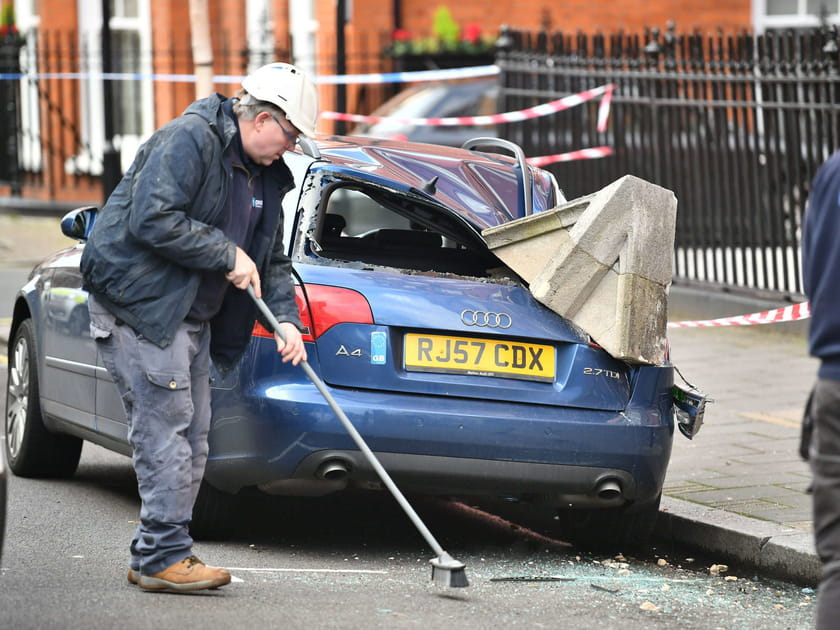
{"type": "Point", "coordinates": [736, 126]}
{"type": "Point", "coordinates": [10, 46]}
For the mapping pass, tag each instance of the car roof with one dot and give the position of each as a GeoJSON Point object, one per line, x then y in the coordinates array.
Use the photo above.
{"type": "Point", "coordinates": [481, 187]}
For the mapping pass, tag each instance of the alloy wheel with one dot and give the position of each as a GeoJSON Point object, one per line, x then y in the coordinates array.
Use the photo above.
{"type": "Point", "coordinates": [17, 400]}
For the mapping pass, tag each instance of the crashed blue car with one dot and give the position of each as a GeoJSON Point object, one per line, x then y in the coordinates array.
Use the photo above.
{"type": "Point", "coordinates": [457, 378]}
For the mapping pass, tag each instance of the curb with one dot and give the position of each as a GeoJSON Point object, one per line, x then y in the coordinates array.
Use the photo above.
{"type": "Point", "coordinates": [773, 550]}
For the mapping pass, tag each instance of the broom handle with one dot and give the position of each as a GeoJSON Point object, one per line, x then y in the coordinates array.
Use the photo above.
{"type": "Point", "coordinates": [357, 438]}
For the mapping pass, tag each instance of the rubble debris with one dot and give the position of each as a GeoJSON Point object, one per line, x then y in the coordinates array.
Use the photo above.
{"type": "Point", "coordinates": [606, 589]}
{"type": "Point", "coordinates": [533, 578]}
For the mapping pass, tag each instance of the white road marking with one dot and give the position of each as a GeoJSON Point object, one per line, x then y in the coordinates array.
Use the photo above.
{"type": "Point", "coordinates": [285, 570]}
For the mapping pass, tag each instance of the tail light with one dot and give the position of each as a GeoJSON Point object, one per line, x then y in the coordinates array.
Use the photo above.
{"type": "Point", "coordinates": [329, 306]}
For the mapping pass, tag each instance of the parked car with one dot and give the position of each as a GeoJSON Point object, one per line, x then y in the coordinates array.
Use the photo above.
{"type": "Point", "coordinates": [458, 379]}
{"type": "Point", "coordinates": [435, 100]}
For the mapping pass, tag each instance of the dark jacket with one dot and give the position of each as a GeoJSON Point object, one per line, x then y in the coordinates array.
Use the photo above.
{"type": "Point", "coordinates": [821, 267]}
{"type": "Point", "coordinates": [154, 236]}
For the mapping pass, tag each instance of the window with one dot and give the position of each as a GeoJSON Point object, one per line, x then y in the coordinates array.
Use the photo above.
{"type": "Point", "coordinates": [132, 114]}
{"type": "Point", "coordinates": [389, 229]}
{"type": "Point", "coordinates": [802, 7]}
{"type": "Point", "coordinates": [28, 21]}
{"type": "Point", "coordinates": [124, 8]}
{"type": "Point", "coordinates": [362, 214]}
{"type": "Point", "coordinates": [785, 14]}
{"type": "Point", "coordinates": [126, 55]}
{"type": "Point", "coordinates": [782, 7]}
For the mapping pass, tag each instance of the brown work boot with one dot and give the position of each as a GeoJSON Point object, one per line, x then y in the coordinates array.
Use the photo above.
{"type": "Point", "coordinates": [190, 574]}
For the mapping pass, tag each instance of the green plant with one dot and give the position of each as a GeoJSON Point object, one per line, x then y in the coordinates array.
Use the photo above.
{"type": "Point", "coordinates": [445, 28]}
{"type": "Point", "coordinates": [7, 20]}
{"type": "Point", "coordinates": [447, 37]}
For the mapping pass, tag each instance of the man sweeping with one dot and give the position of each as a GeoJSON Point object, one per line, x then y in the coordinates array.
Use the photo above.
{"type": "Point", "coordinates": [195, 221]}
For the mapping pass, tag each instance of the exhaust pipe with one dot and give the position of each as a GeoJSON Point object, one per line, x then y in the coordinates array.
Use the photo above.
{"type": "Point", "coordinates": [332, 470]}
{"type": "Point", "coordinates": [608, 489]}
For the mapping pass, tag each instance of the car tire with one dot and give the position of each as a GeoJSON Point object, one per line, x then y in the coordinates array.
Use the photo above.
{"type": "Point", "coordinates": [32, 450]}
{"type": "Point", "coordinates": [215, 513]}
{"type": "Point", "coordinates": [610, 529]}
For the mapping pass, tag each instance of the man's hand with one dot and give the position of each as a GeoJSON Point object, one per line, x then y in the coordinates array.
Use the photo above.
{"type": "Point", "coordinates": [244, 272]}
{"type": "Point", "coordinates": [293, 350]}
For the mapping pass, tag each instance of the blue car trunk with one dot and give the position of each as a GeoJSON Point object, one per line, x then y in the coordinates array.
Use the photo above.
{"type": "Point", "coordinates": [459, 337]}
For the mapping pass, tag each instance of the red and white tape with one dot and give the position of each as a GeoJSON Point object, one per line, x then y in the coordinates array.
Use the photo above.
{"type": "Point", "coordinates": [545, 109]}
{"type": "Point", "coordinates": [581, 154]}
{"type": "Point", "coordinates": [792, 313]}
{"type": "Point", "coordinates": [332, 79]}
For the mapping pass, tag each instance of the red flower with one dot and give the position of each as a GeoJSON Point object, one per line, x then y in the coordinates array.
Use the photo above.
{"type": "Point", "coordinates": [402, 35]}
{"type": "Point", "coordinates": [472, 33]}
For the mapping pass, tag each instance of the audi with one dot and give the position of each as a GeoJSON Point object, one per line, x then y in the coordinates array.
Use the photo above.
{"type": "Point", "coordinates": [460, 381]}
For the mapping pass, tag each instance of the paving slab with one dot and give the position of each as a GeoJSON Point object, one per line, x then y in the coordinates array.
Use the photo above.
{"type": "Point", "coordinates": [739, 489]}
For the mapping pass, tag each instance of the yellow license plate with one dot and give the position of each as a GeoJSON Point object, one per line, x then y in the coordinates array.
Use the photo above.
{"type": "Point", "coordinates": [481, 357]}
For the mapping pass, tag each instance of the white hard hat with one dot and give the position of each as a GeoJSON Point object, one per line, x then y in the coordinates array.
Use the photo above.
{"type": "Point", "coordinates": [290, 89]}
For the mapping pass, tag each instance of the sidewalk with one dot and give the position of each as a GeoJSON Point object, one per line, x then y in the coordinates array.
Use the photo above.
{"type": "Point", "coordinates": [738, 490]}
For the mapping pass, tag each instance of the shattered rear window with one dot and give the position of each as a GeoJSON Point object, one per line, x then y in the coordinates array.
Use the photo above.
{"type": "Point", "coordinates": [374, 226]}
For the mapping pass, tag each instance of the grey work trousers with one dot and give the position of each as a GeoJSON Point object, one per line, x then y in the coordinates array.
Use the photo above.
{"type": "Point", "coordinates": [825, 467]}
{"type": "Point", "coordinates": [166, 396]}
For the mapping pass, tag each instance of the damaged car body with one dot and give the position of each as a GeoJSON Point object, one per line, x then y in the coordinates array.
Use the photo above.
{"type": "Point", "coordinates": [458, 379]}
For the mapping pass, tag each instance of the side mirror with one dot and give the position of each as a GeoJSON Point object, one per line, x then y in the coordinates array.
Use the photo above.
{"type": "Point", "coordinates": [78, 223]}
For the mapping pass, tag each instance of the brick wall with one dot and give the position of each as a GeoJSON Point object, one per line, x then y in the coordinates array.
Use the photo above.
{"type": "Point", "coordinates": [372, 18]}
{"type": "Point", "coordinates": [586, 15]}
{"type": "Point", "coordinates": [171, 33]}
{"type": "Point", "coordinates": [59, 15]}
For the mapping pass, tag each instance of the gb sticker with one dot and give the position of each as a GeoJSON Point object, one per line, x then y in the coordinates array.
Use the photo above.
{"type": "Point", "coordinates": [378, 347]}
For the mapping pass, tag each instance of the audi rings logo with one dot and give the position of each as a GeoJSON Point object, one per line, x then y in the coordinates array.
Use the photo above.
{"type": "Point", "coordinates": [485, 319]}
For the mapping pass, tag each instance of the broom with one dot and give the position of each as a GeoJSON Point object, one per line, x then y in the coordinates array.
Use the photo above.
{"type": "Point", "coordinates": [445, 569]}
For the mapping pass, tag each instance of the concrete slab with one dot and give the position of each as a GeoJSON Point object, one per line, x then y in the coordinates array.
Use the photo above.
{"type": "Point", "coordinates": [603, 261]}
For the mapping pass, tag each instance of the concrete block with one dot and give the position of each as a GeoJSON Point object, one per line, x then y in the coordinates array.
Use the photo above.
{"type": "Point", "coordinates": [603, 261]}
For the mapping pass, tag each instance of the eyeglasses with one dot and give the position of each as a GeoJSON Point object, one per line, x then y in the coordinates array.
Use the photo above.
{"type": "Point", "coordinates": [292, 139]}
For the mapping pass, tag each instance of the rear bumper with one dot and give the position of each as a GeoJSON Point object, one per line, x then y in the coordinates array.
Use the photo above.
{"type": "Point", "coordinates": [438, 445]}
{"type": "Point", "coordinates": [557, 484]}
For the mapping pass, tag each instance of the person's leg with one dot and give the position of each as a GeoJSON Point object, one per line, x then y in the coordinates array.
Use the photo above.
{"type": "Point", "coordinates": [168, 434]}
{"type": "Point", "coordinates": [156, 389]}
{"type": "Point", "coordinates": [825, 465]}
{"type": "Point", "coordinates": [200, 427]}
{"type": "Point", "coordinates": [102, 325]}
{"type": "Point", "coordinates": [169, 503]}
